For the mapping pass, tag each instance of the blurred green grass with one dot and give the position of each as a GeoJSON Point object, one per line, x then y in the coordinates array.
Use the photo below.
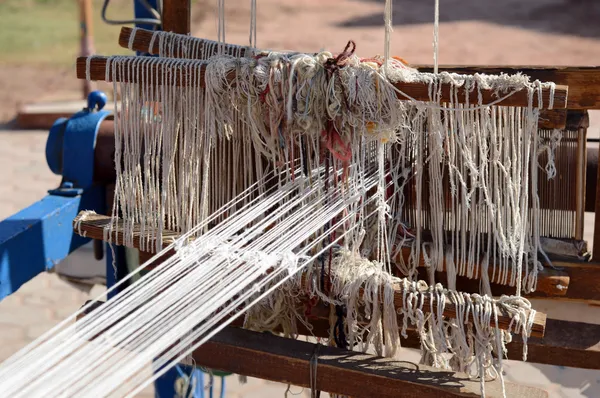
{"type": "Point", "coordinates": [46, 32]}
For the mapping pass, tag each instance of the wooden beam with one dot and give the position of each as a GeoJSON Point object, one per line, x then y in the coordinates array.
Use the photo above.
{"type": "Point", "coordinates": [418, 91]}
{"type": "Point", "coordinates": [92, 226]}
{"type": "Point", "coordinates": [284, 360]}
{"type": "Point", "coordinates": [584, 283]}
{"type": "Point", "coordinates": [177, 16]}
{"type": "Point", "coordinates": [552, 283]}
{"type": "Point", "coordinates": [596, 247]}
{"type": "Point", "coordinates": [339, 371]}
{"type": "Point", "coordinates": [573, 344]}
{"type": "Point", "coordinates": [583, 81]}
{"type": "Point", "coordinates": [552, 119]}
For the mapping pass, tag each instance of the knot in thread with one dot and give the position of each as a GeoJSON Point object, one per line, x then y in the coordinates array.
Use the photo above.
{"type": "Point", "coordinates": [265, 261]}
{"type": "Point", "coordinates": [289, 261]}
{"type": "Point", "coordinates": [332, 65]}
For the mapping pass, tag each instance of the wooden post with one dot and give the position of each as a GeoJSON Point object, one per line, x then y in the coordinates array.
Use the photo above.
{"type": "Point", "coordinates": [177, 16]}
{"type": "Point", "coordinates": [579, 121]}
{"type": "Point", "coordinates": [596, 247]}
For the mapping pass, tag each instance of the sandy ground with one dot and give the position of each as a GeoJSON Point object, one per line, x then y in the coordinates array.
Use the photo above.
{"type": "Point", "coordinates": [549, 32]}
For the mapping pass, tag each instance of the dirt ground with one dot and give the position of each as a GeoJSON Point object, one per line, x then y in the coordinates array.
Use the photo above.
{"type": "Point", "coordinates": [535, 32]}
{"type": "Point", "coordinates": [549, 32]}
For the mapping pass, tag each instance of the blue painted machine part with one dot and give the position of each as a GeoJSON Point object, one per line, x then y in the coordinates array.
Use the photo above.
{"type": "Point", "coordinates": [171, 383]}
{"type": "Point", "coordinates": [37, 238]}
{"type": "Point", "coordinates": [71, 144]}
{"type": "Point", "coordinates": [140, 11]}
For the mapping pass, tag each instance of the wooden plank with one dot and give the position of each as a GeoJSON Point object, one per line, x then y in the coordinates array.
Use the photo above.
{"type": "Point", "coordinates": [552, 119]}
{"type": "Point", "coordinates": [584, 280]}
{"type": "Point", "coordinates": [177, 16]}
{"type": "Point", "coordinates": [339, 371]}
{"type": "Point", "coordinates": [583, 81]}
{"type": "Point", "coordinates": [596, 247]}
{"type": "Point", "coordinates": [269, 357]}
{"type": "Point", "coordinates": [418, 91]}
{"type": "Point", "coordinates": [584, 283]}
{"type": "Point", "coordinates": [574, 344]}
{"type": "Point", "coordinates": [143, 38]}
{"type": "Point", "coordinates": [92, 226]}
{"type": "Point", "coordinates": [552, 283]}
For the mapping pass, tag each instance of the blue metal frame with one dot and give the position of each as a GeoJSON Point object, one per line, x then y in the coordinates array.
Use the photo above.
{"type": "Point", "coordinates": [37, 238]}
{"type": "Point", "coordinates": [40, 236]}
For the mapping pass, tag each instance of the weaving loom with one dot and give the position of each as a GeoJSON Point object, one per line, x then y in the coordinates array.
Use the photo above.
{"type": "Point", "coordinates": [366, 202]}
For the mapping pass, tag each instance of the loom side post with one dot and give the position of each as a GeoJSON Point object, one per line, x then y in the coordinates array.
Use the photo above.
{"type": "Point", "coordinates": [596, 247]}
{"type": "Point", "coordinates": [177, 16]}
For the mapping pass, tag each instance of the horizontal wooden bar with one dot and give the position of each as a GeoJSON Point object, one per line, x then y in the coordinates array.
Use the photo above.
{"type": "Point", "coordinates": [143, 38]}
{"type": "Point", "coordinates": [92, 226]}
{"type": "Point", "coordinates": [418, 91]}
{"type": "Point", "coordinates": [583, 81]}
{"type": "Point", "coordinates": [269, 357]}
{"type": "Point", "coordinates": [573, 344]}
{"type": "Point", "coordinates": [551, 282]}
{"type": "Point", "coordinates": [552, 119]}
{"type": "Point", "coordinates": [584, 283]}
{"type": "Point", "coordinates": [339, 371]}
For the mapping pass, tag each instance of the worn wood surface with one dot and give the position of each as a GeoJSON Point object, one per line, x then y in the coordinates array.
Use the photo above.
{"type": "Point", "coordinates": [584, 283]}
{"type": "Point", "coordinates": [92, 226]}
{"type": "Point", "coordinates": [596, 247]}
{"type": "Point", "coordinates": [552, 283]}
{"type": "Point", "coordinates": [583, 81]}
{"type": "Point", "coordinates": [552, 119]}
{"type": "Point", "coordinates": [574, 344]}
{"type": "Point", "coordinates": [177, 16]}
{"type": "Point", "coordinates": [143, 39]}
{"type": "Point", "coordinates": [339, 371]}
{"type": "Point", "coordinates": [418, 91]}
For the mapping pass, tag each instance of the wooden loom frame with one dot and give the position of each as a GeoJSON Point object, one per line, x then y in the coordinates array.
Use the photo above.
{"type": "Point", "coordinates": [240, 351]}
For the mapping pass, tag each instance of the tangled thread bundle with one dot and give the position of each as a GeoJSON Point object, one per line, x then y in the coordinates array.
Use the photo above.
{"type": "Point", "coordinates": [471, 342]}
{"type": "Point", "coordinates": [445, 180]}
{"type": "Point", "coordinates": [320, 109]}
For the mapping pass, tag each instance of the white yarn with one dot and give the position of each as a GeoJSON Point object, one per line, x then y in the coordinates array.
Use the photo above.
{"type": "Point", "coordinates": [258, 169]}
{"type": "Point", "coordinates": [446, 343]}
{"type": "Point", "coordinates": [183, 300]}
{"type": "Point", "coordinates": [436, 30]}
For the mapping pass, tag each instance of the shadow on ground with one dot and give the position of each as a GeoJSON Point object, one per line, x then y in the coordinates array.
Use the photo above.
{"type": "Point", "coordinates": [572, 17]}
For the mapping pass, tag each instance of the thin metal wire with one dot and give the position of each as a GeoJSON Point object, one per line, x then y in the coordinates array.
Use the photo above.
{"type": "Point", "coordinates": [135, 21]}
